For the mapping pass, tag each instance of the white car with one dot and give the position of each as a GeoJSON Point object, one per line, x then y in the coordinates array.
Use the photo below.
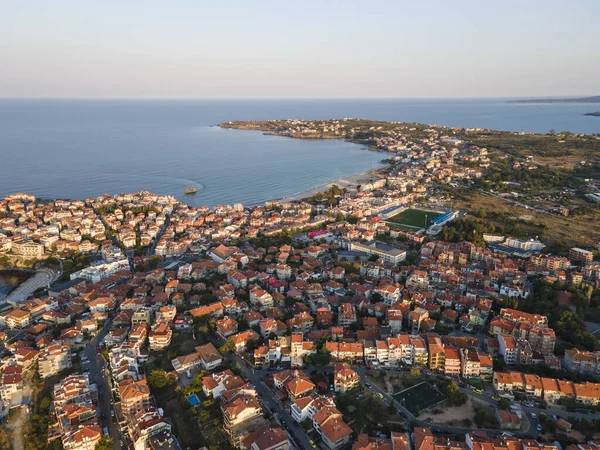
{"type": "Point", "coordinates": [533, 416]}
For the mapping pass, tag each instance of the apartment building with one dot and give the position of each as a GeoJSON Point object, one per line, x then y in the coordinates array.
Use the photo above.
{"type": "Point", "coordinates": [344, 377]}
{"type": "Point", "coordinates": [469, 363]}
{"type": "Point", "coordinates": [160, 336]}
{"type": "Point", "coordinates": [135, 395]}
{"type": "Point", "coordinates": [452, 364]}
{"type": "Point", "coordinates": [508, 349]}
{"type": "Point", "coordinates": [54, 358]}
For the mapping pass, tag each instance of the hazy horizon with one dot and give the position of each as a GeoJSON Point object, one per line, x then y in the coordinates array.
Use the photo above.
{"type": "Point", "coordinates": [191, 99]}
{"type": "Point", "coordinates": [152, 50]}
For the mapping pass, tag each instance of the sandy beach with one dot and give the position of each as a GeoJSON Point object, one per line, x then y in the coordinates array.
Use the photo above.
{"type": "Point", "coordinates": [349, 183]}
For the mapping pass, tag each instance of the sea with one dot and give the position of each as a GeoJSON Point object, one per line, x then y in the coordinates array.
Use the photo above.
{"type": "Point", "coordinates": [74, 149]}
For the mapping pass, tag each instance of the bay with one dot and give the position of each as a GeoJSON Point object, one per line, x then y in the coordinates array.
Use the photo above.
{"type": "Point", "coordinates": [81, 148]}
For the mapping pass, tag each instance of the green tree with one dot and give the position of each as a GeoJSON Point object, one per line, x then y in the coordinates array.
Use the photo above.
{"type": "Point", "coordinates": [104, 444]}
{"type": "Point", "coordinates": [159, 379]}
{"type": "Point", "coordinates": [227, 347]}
{"type": "Point", "coordinates": [204, 415]}
{"type": "Point", "coordinates": [504, 404]}
{"type": "Point", "coordinates": [455, 396]}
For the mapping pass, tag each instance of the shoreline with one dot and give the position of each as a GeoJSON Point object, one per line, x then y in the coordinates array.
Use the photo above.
{"type": "Point", "coordinates": [350, 182]}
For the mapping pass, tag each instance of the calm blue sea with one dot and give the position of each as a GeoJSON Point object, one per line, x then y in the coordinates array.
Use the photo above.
{"type": "Point", "coordinates": [81, 148]}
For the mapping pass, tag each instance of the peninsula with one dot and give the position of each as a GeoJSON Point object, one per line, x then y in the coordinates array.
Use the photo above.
{"type": "Point", "coordinates": [472, 169]}
{"type": "Point", "coordinates": [595, 114]}
{"type": "Point", "coordinates": [592, 99]}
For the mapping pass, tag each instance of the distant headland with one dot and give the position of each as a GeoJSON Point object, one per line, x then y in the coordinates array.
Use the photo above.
{"type": "Point", "coordinates": [593, 99]}
{"type": "Point", "coordinates": [595, 114]}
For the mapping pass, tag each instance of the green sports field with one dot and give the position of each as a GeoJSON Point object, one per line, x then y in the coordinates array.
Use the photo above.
{"type": "Point", "coordinates": [414, 218]}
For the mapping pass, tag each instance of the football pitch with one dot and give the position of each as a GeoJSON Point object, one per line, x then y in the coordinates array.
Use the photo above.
{"type": "Point", "coordinates": [414, 218]}
{"type": "Point", "coordinates": [419, 397]}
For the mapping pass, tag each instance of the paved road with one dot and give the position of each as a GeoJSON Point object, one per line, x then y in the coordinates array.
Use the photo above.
{"type": "Point", "coordinates": [271, 403]}
{"type": "Point", "coordinates": [96, 361]}
{"type": "Point", "coordinates": [160, 233]}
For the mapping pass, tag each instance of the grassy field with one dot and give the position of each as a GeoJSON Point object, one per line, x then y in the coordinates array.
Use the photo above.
{"type": "Point", "coordinates": [419, 397]}
{"type": "Point", "coordinates": [574, 231]}
{"type": "Point", "coordinates": [414, 218]}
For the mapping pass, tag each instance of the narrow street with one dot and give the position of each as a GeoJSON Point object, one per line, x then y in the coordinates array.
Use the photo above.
{"type": "Point", "coordinates": [271, 403]}
{"type": "Point", "coordinates": [97, 375]}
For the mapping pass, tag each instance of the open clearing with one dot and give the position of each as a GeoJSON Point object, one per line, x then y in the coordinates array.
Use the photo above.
{"type": "Point", "coordinates": [574, 231]}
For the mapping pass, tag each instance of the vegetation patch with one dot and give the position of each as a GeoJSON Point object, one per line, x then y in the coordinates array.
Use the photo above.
{"type": "Point", "coordinates": [416, 218]}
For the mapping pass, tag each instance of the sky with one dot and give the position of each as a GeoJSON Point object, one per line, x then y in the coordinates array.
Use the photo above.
{"type": "Point", "coordinates": [301, 49]}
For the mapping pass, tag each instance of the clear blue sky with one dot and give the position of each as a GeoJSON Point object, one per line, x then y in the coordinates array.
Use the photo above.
{"type": "Point", "coordinates": [306, 49]}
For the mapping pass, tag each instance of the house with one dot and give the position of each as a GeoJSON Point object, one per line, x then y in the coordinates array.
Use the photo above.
{"type": "Point", "coordinates": [266, 439]}
{"type": "Point", "coordinates": [306, 407]}
{"type": "Point", "coordinates": [226, 327]}
{"type": "Point", "coordinates": [542, 339]}
{"type": "Point", "coordinates": [135, 395]}
{"type": "Point", "coordinates": [83, 438]}
{"type": "Point", "coordinates": [335, 433]}
{"type": "Point", "coordinates": [242, 339]}
{"type": "Point", "coordinates": [205, 356]}
{"type": "Point", "coordinates": [268, 326]}
{"type": "Point", "coordinates": [55, 358]}
{"type": "Point", "coordinates": [11, 386]}
{"type": "Point", "coordinates": [344, 377]}
{"type": "Point", "coordinates": [145, 425]}
{"type": "Point", "coordinates": [185, 363]}
{"type": "Point", "coordinates": [582, 362]}
{"type": "Point", "coordinates": [18, 319]}
{"type": "Point", "coordinates": [215, 384]}
{"type": "Point", "coordinates": [160, 336]}
{"type": "Point", "coordinates": [26, 357]}
{"type": "Point", "coordinates": [486, 367]}
{"type": "Point", "coordinates": [452, 363]}
{"type": "Point", "coordinates": [416, 318]}
{"type": "Point", "coordinates": [209, 356]}
{"type": "Point", "coordinates": [508, 420]}
{"type": "Point", "coordinates": [142, 315]}
{"type": "Point", "coordinates": [469, 363]}
{"type": "Point", "coordinates": [293, 382]}
{"type": "Point", "coordinates": [508, 349]}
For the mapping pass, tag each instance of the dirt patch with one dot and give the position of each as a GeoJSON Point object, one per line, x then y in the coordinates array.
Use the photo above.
{"type": "Point", "coordinates": [17, 424]}
{"type": "Point", "coordinates": [452, 415]}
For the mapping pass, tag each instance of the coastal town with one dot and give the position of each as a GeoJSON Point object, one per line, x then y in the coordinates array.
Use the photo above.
{"type": "Point", "coordinates": [449, 300]}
